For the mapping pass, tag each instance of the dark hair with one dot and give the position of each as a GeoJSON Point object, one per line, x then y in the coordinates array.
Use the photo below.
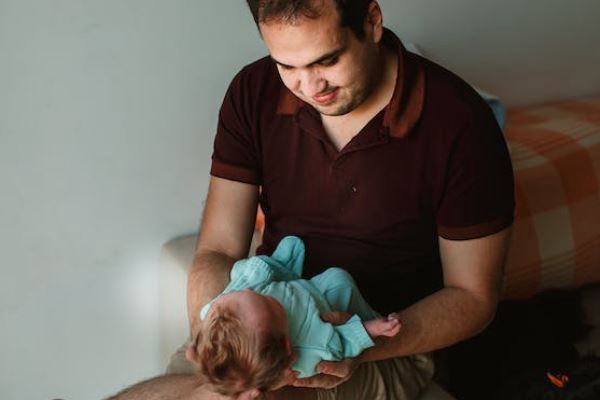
{"type": "Point", "coordinates": [352, 12]}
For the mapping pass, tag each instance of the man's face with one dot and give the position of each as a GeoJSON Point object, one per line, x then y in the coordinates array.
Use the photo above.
{"type": "Point", "coordinates": [323, 63]}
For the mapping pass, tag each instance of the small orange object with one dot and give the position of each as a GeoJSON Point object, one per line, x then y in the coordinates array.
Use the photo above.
{"type": "Point", "coordinates": [558, 380]}
{"type": "Point", "coordinates": [260, 220]}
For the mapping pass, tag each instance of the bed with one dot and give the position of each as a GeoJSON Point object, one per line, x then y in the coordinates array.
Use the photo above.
{"type": "Point", "coordinates": [555, 149]}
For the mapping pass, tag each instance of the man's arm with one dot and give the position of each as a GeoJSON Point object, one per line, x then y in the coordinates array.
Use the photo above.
{"type": "Point", "coordinates": [225, 235]}
{"type": "Point", "coordinates": [473, 271]}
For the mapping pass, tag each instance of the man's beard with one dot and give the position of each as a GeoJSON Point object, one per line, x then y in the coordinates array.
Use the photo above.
{"type": "Point", "coordinates": [356, 99]}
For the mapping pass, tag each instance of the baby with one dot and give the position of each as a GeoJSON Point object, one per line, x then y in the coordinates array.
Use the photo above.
{"type": "Point", "coordinates": [265, 329]}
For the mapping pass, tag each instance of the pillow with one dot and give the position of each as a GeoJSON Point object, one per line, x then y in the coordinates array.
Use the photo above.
{"type": "Point", "coordinates": [492, 100]}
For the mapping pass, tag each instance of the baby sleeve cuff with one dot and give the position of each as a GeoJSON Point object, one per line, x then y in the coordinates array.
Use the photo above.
{"type": "Point", "coordinates": [354, 337]}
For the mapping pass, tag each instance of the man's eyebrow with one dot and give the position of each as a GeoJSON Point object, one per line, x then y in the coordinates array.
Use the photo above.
{"type": "Point", "coordinates": [324, 57]}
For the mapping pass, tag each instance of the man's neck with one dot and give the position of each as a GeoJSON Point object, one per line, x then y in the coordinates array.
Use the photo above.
{"type": "Point", "coordinates": [341, 129]}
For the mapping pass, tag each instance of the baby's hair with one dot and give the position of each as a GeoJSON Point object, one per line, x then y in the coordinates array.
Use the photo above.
{"type": "Point", "coordinates": [232, 359]}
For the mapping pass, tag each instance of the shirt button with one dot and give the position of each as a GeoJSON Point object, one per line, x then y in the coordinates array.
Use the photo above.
{"type": "Point", "coordinates": [354, 189]}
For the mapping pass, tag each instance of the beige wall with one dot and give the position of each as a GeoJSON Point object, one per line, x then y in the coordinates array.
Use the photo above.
{"type": "Point", "coordinates": [107, 111]}
{"type": "Point", "coordinates": [524, 51]}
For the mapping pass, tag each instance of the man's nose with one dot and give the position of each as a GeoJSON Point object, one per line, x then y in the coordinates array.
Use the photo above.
{"type": "Point", "coordinates": [311, 83]}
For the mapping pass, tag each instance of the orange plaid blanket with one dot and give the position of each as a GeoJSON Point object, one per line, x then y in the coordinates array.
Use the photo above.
{"type": "Point", "coordinates": [555, 150]}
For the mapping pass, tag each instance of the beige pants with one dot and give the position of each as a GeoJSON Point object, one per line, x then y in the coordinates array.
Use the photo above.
{"type": "Point", "coordinates": [394, 379]}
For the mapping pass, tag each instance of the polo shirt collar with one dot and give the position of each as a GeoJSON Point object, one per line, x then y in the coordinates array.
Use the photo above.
{"type": "Point", "coordinates": [404, 110]}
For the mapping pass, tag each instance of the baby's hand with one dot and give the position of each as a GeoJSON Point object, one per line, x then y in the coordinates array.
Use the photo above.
{"type": "Point", "coordinates": [385, 326]}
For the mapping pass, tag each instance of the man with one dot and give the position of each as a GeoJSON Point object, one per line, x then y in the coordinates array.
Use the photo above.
{"type": "Point", "coordinates": [384, 163]}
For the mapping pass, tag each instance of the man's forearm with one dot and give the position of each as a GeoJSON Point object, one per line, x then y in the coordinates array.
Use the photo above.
{"type": "Point", "coordinates": [207, 278]}
{"type": "Point", "coordinates": [439, 320]}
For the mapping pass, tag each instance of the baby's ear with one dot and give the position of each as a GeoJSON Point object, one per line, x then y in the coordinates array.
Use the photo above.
{"type": "Point", "coordinates": [190, 353]}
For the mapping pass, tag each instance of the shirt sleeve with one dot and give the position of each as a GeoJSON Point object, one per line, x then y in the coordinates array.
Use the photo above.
{"type": "Point", "coordinates": [307, 360]}
{"type": "Point", "coordinates": [289, 257]}
{"type": "Point", "coordinates": [250, 273]}
{"type": "Point", "coordinates": [354, 337]}
{"type": "Point", "coordinates": [478, 195]}
{"type": "Point", "coordinates": [330, 343]}
{"type": "Point", "coordinates": [235, 154]}
{"type": "Point", "coordinates": [342, 294]}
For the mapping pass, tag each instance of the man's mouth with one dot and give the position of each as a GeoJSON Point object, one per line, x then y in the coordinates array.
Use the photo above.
{"type": "Point", "coordinates": [326, 98]}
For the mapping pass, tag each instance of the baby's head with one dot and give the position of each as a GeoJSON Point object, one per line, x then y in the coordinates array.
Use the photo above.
{"type": "Point", "coordinates": [243, 347]}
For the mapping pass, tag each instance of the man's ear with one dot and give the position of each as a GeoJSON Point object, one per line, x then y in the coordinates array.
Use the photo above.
{"type": "Point", "coordinates": [374, 22]}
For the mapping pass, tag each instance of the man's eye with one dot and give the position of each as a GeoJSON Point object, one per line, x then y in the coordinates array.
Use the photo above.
{"type": "Point", "coordinates": [330, 61]}
{"type": "Point", "coordinates": [285, 67]}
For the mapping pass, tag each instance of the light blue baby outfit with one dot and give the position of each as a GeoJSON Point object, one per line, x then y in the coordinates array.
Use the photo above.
{"type": "Point", "coordinates": [279, 276]}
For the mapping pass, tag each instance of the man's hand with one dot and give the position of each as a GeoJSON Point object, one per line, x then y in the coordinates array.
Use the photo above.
{"type": "Point", "coordinates": [331, 373]}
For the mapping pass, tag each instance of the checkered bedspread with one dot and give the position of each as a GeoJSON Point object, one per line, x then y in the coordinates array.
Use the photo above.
{"type": "Point", "coordinates": [555, 150]}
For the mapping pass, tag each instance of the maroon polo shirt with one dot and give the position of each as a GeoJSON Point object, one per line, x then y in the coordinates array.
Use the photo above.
{"type": "Point", "coordinates": [433, 162]}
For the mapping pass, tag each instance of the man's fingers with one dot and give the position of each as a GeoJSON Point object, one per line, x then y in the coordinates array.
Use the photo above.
{"type": "Point", "coordinates": [338, 369]}
{"type": "Point", "coordinates": [336, 317]}
{"type": "Point", "coordinates": [318, 381]}
{"type": "Point", "coordinates": [331, 374]}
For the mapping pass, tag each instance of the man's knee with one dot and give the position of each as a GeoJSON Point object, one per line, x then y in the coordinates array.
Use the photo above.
{"type": "Point", "coordinates": [179, 364]}
{"type": "Point", "coordinates": [166, 387]}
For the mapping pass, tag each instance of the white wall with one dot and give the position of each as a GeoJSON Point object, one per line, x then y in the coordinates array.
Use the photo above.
{"type": "Point", "coordinates": [524, 51]}
{"type": "Point", "coordinates": [107, 111]}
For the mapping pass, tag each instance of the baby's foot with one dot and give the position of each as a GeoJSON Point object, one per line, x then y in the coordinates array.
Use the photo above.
{"type": "Point", "coordinates": [383, 326]}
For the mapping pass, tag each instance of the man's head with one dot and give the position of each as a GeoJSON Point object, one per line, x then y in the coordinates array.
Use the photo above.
{"type": "Point", "coordinates": [352, 12]}
{"type": "Point", "coordinates": [327, 51]}
{"type": "Point", "coordinates": [243, 347]}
